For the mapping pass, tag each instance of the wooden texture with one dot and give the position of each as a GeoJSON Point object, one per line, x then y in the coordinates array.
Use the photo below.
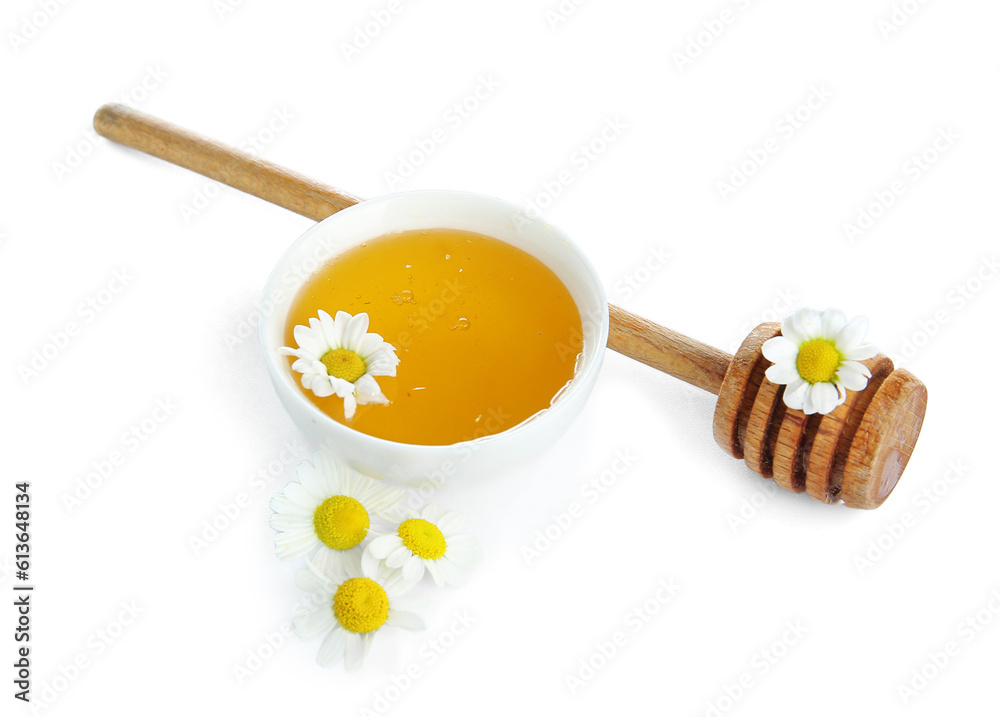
{"type": "Point", "coordinates": [667, 351]}
{"type": "Point", "coordinates": [857, 452]}
{"type": "Point", "coordinates": [884, 441]}
{"type": "Point", "coordinates": [762, 428]}
{"type": "Point", "coordinates": [793, 440]}
{"type": "Point", "coordinates": [825, 473]}
{"type": "Point", "coordinates": [739, 389]}
{"type": "Point", "coordinates": [230, 166]}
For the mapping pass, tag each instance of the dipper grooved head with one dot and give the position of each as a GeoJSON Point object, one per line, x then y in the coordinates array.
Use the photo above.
{"type": "Point", "coordinates": [856, 453]}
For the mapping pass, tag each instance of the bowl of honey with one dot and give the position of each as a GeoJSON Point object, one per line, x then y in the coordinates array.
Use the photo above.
{"type": "Point", "coordinates": [498, 320]}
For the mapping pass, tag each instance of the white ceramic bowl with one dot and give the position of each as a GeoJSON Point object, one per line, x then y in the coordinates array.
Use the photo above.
{"type": "Point", "coordinates": [421, 465]}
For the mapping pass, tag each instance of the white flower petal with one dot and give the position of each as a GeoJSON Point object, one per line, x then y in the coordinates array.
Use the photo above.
{"type": "Point", "coordinates": [328, 330]}
{"type": "Point", "coordinates": [290, 522]}
{"type": "Point", "coordinates": [807, 324]}
{"type": "Point", "coordinates": [366, 644]}
{"type": "Point", "coordinates": [312, 582]}
{"type": "Point", "coordinates": [832, 322]}
{"type": "Point", "coordinates": [355, 331]}
{"type": "Point", "coordinates": [289, 546]}
{"type": "Point", "coordinates": [406, 620]}
{"type": "Point", "coordinates": [281, 503]}
{"type": "Point", "coordinates": [310, 479]}
{"type": "Point", "coordinates": [462, 549]}
{"type": "Point", "coordinates": [395, 584]}
{"type": "Point", "coordinates": [330, 473]}
{"type": "Point", "coordinates": [407, 602]}
{"type": "Point", "coordinates": [332, 651]}
{"type": "Point", "coordinates": [860, 352]}
{"type": "Point", "coordinates": [851, 334]}
{"type": "Point", "coordinates": [332, 480]}
{"type": "Point", "coordinates": [313, 624]}
{"type": "Point", "coordinates": [368, 398]}
{"type": "Point", "coordinates": [328, 561]}
{"type": "Point", "coordinates": [369, 563]}
{"type": "Point", "coordinates": [413, 569]}
{"type": "Point", "coordinates": [369, 344]}
{"type": "Point", "coordinates": [853, 375]}
{"type": "Point", "coordinates": [367, 385]}
{"type": "Point", "coordinates": [808, 404]}
{"type": "Point", "coordinates": [342, 388]}
{"type": "Point", "coordinates": [284, 505]}
{"type": "Point", "coordinates": [841, 392]}
{"type": "Point", "coordinates": [449, 523]}
{"type": "Point", "coordinates": [382, 362]}
{"type": "Point", "coordinates": [780, 349]}
{"type": "Point", "coordinates": [781, 373]}
{"type": "Point", "coordinates": [431, 513]}
{"type": "Point", "coordinates": [320, 385]}
{"type": "Point", "coordinates": [335, 333]}
{"type": "Point", "coordinates": [350, 406]}
{"type": "Point", "coordinates": [397, 557]}
{"type": "Point", "coordinates": [305, 342]}
{"type": "Point", "coordinates": [352, 650]}
{"type": "Point", "coordinates": [444, 572]}
{"type": "Point", "coordinates": [382, 546]}
{"type": "Point", "coordinates": [356, 649]}
{"type": "Point", "coordinates": [305, 531]}
{"type": "Point", "coordinates": [347, 332]}
{"type": "Point", "coordinates": [301, 496]}
{"type": "Point", "coordinates": [789, 331]}
{"type": "Point", "coordinates": [350, 560]}
{"type": "Point", "coordinates": [385, 501]}
{"type": "Point", "coordinates": [825, 398]}
{"type": "Point", "coordinates": [795, 394]}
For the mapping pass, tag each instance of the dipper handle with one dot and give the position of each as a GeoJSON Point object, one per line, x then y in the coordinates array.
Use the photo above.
{"type": "Point", "coordinates": [856, 453]}
{"type": "Point", "coordinates": [222, 163]}
{"type": "Point", "coordinates": [635, 337]}
{"type": "Point", "coordinates": [666, 350]}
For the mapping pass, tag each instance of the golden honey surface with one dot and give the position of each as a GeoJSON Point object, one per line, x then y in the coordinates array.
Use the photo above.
{"type": "Point", "coordinates": [486, 334]}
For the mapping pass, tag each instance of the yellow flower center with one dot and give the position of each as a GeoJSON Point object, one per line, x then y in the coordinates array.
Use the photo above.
{"type": "Point", "coordinates": [343, 363]}
{"type": "Point", "coordinates": [424, 539]}
{"type": "Point", "coordinates": [340, 522]}
{"type": "Point", "coordinates": [818, 360]}
{"type": "Point", "coordinates": [360, 605]}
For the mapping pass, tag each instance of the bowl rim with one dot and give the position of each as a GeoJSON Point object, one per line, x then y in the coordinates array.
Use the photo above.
{"type": "Point", "coordinates": [292, 387]}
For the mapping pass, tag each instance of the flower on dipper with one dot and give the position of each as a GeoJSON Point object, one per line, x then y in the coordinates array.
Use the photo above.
{"type": "Point", "coordinates": [350, 609]}
{"type": "Point", "coordinates": [428, 541]}
{"type": "Point", "coordinates": [327, 513]}
{"type": "Point", "coordinates": [817, 358]}
{"type": "Point", "coordinates": [338, 356]}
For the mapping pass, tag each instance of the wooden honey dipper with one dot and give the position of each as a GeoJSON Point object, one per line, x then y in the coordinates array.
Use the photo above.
{"type": "Point", "coordinates": [856, 453]}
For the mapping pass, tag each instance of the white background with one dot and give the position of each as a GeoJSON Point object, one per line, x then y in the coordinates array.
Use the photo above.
{"type": "Point", "coordinates": [75, 210]}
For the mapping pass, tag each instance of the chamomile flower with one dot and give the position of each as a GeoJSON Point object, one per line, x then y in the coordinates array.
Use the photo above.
{"type": "Point", "coordinates": [817, 357]}
{"type": "Point", "coordinates": [429, 540]}
{"type": "Point", "coordinates": [338, 356]}
{"type": "Point", "coordinates": [351, 609]}
{"type": "Point", "coordinates": [327, 514]}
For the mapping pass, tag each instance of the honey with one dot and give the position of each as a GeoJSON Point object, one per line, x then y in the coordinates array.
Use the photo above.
{"type": "Point", "coordinates": [486, 334]}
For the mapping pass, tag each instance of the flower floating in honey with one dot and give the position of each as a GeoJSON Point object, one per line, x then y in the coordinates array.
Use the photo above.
{"type": "Point", "coordinates": [431, 541]}
{"type": "Point", "coordinates": [351, 609]}
{"type": "Point", "coordinates": [327, 514]}
{"type": "Point", "coordinates": [817, 358]}
{"type": "Point", "coordinates": [338, 356]}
